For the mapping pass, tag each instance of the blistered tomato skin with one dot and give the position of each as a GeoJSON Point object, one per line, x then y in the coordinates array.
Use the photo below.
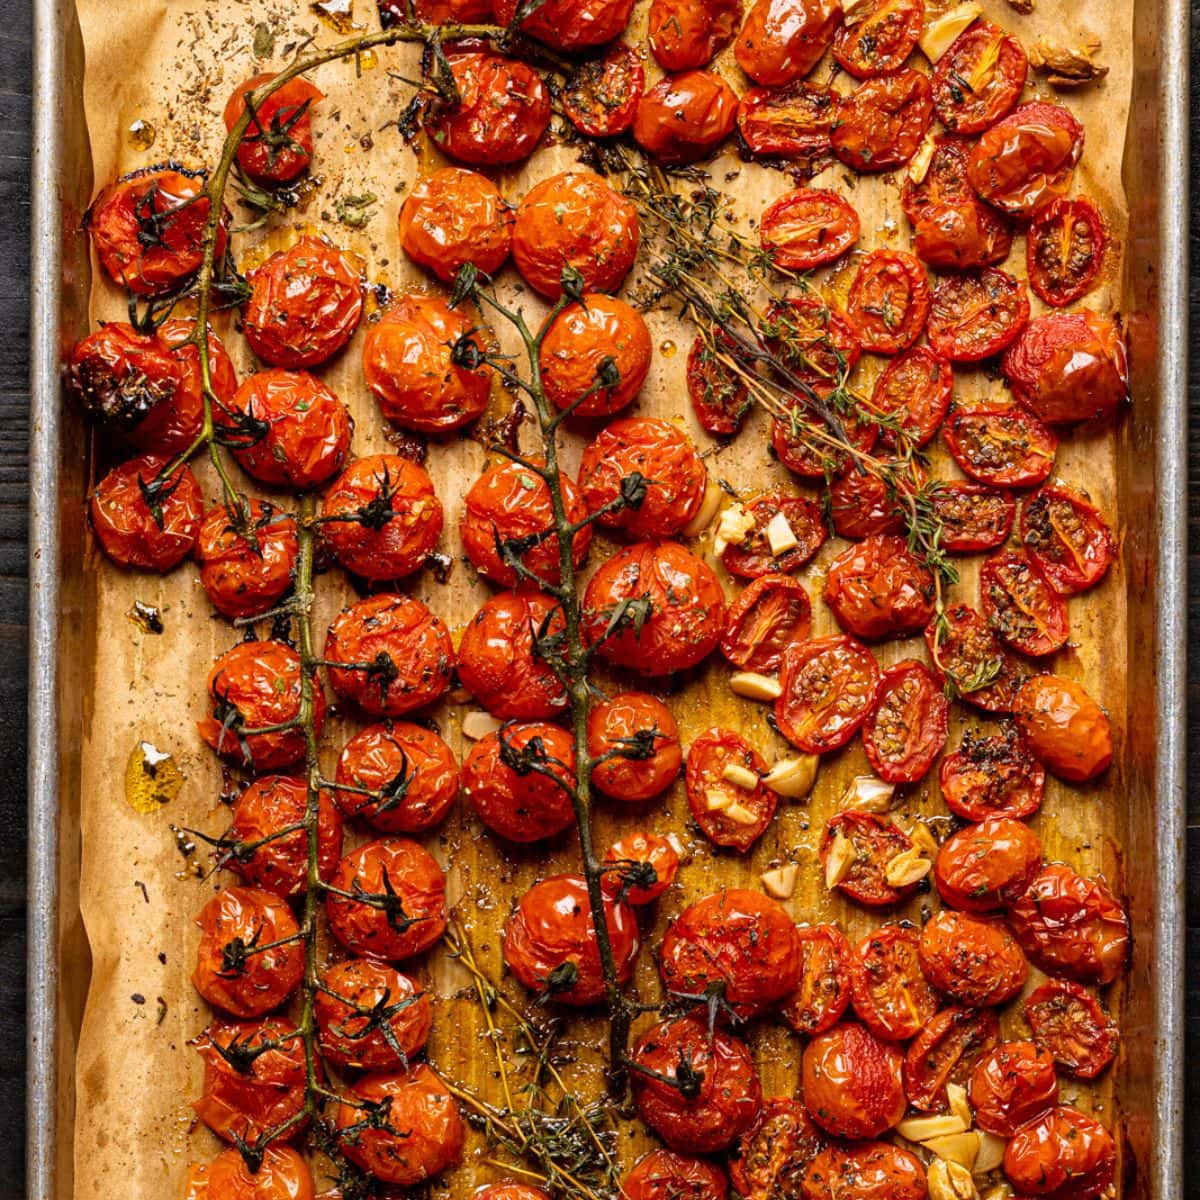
{"type": "Point", "coordinates": [640, 734]}
{"type": "Point", "coordinates": [1068, 1022]}
{"type": "Point", "coordinates": [126, 526]}
{"type": "Point", "coordinates": [879, 589]}
{"type": "Point", "coordinates": [792, 123]}
{"type": "Point", "coordinates": [711, 797]}
{"type": "Point", "coordinates": [987, 866]}
{"type": "Point", "coordinates": [283, 1175]}
{"type": "Point", "coordinates": [772, 1154]}
{"type": "Point", "coordinates": [247, 563]}
{"type": "Point", "coordinates": [277, 146]}
{"type": "Point", "coordinates": [665, 1175]}
{"type": "Point", "coordinates": [866, 1171]}
{"type": "Point", "coordinates": [824, 989]}
{"type": "Point", "coordinates": [1063, 1154]}
{"type": "Point", "coordinates": [351, 1037]}
{"type": "Point", "coordinates": [686, 34]}
{"type": "Point", "coordinates": [601, 96]}
{"type": "Point", "coordinates": [883, 121]}
{"type": "Point", "coordinates": [1013, 1084]}
{"type": "Point", "coordinates": [454, 217]}
{"type": "Point", "coordinates": [946, 1051]}
{"type": "Point", "coordinates": [684, 118]}
{"type": "Point", "coordinates": [782, 40]}
{"type": "Point", "coordinates": [509, 1191]}
{"type": "Point", "coordinates": [974, 960]}
{"type": "Point", "coordinates": [829, 686]}
{"type": "Point", "coordinates": [891, 995]}
{"type": "Point", "coordinates": [630, 862]}
{"type": "Point", "coordinates": [851, 1081]}
{"type": "Point", "coordinates": [1064, 727]}
{"type": "Point", "coordinates": [570, 25]}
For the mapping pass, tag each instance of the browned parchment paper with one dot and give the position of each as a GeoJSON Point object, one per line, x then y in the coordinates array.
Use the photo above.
{"type": "Point", "coordinates": [171, 64]}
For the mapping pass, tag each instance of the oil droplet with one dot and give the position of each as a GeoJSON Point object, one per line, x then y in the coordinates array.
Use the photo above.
{"type": "Point", "coordinates": [152, 778]}
{"type": "Point", "coordinates": [142, 134]}
{"type": "Point", "coordinates": [146, 617]}
{"type": "Point", "coordinates": [667, 349]}
{"type": "Point", "coordinates": [337, 14]}
{"type": "Point", "coordinates": [367, 60]}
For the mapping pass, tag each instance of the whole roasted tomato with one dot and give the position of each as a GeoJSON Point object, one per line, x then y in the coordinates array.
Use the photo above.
{"type": "Point", "coordinates": [655, 608]}
{"type": "Point", "coordinates": [1021, 606]}
{"type": "Point", "coordinates": [914, 389]}
{"type": "Point", "coordinates": [782, 40]}
{"type": "Point", "coordinates": [992, 777]}
{"type": "Point", "coordinates": [305, 304]}
{"type": "Point", "coordinates": [880, 39]}
{"type": "Point", "coordinates": [906, 730]}
{"type": "Point", "coordinates": [397, 654]}
{"type": "Point", "coordinates": [141, 522]}
{"type": "Point", "coordinates": [878, 588]}
{"type": "Point", "coordinates": [686, 34]}
{"type": "Point", "coordinates": [684, 118]}
{"type": "Point", "coordinates": [1063, 1154]}
{"type": "Point", "coordinates": [807, 228]}
{"type": "Point", "coordinates": [380, 518]}
{"type": "Point", "coordinates": [667, 461]}
{"type": "Point", "coordinates": [771, 1156]}
{"type": "Point", "coordinates": [1068, 1022]}
{"type": "Point", "coordinates": [550, 941]}
{"type": "Point", "coordinates": [972, 517]}
{"type": "Point", "coordinates": [643, 865]}
{"type": "Point", "coordinates": [454, 217]}
{"type": "Point", "coordinates": [277, 145]}
{"type": "Point", "coordinates": [601, 95]}
{"type": "Point", "coordinates": [855, 851]}
{"type": "Point", "coordinates": [867, 1171]}
{"type": "Point", "coordinates": [975, 316]}
{"type": "Point", "coordinates": [888, 302]}
{"type": "Point", "coordinates": [974, 960]}
{"type": "Point", "coordinates": [883, 121]}
{"type": "Point", "coordinates": [987, 866]}
{"type": "Point", "coordinates": [233, 972]}
{"type": "Point", "coordinates": [570, 25]}
{"type": "Point", "coordinates": [829, 686]}
{"type": "Point", "coordinates": [1064, 728]}
{"type": "Point", "coordinates": [635, 741]}
{"type": "Point", "coordinates": [768, 616]}
{"type": "Point", "coordinates": [970, 659]}
{"type": "Point", "coordinates": [665, 1175]}
{"type": "Point", "coordinates": [517, 780]}
{"type": "Point", "coordinates": [791, 123]}
{"type": "Point", "coordinates": [282, 1175]}
{"type": "Point", "coordinates": [852, 1081]}
{"type": "Point", "coordinates": [1067, 537]}
{"type": "Point", "coordinates": [737, 947]}
{"type": "Point", "coordinates": [979, 78]}
{"type": "Point", "coordinates": [890, 994]}
{"type": "Point", "coordinates": [247, 559]}
{"type": "Point", "coordinates": [1003, 447]}
{"type": "Point", "coordinates": [1013, 1084]}
{"type": "Point", "coordinates": [720, 398]}
{"type": "Point", "coordinates": [1064, 250]}
{"type": "Point", "coordinates": [698, 1090]}
{"type": "Point", "coordinates": [387, 900]}
{"type": "Point", "coordinates": [398, 777]}
{"type": "Point", "coordinates": [753, 557]}
{"type": "Point", "coordinates": [574, 220]}
{"type": "Point", "coordinates": [824, 989]}
{"type": "Point", "coordinates": [729, 813]}
{"type": "Point", "coordinates": [498, 658]}
{"type": "Point", "coordinates": [946, 1051]}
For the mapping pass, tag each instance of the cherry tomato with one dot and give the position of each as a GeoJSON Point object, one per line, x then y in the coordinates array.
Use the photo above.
{"type": "Point", "coordinates": [807, 228]}
{"type": "Point", "coordinates": [411, 776]}
{"type": "Point", "coordinates": [829, 686]}
{"type": "Point", "coordinates": [812, 342]}
{"type": "Point", "coordinates": [772, 1155]}
{"type": "Point", "coordinates": [906, 730]}
{"type": "Point", "coordinates": [282, 1175]}
{"type": "Point", "coordinates": [873, 843]}
{"type": "Point", "coordinates": [454, 217]}
{"type": "Point", "coordinates": [698, 1090]}
{"type": "Point", "coordinates": [979, 78]}
{"type": "Point", "coordinates": [974, 960]}
{"type": "Point", "coordinates": [550, 941]}
{"type": "Point", "coordinates": [601, 95]}
{"type": "Point", "coordinates": [517, 779]}
{"type": "Point", "coordinates": [890, 994]}
{"type": "Point", "coordinates": [976, 316]}
{"type": "Point", "coordinates": [233, 972]}
{"type": "Point", "coordinates": [665, 1175]}
{"type": "Point", "coordinates": [684, 118]}
{"type": "Point", "coordinates": [867, 1171]}
{"type": "Point", "coordinates": [247, 565]}
{"type": "Point", "coordinates": [655, 608]}
{"type": "Point", "coordinates": [883, 121]}
{"type": "Point", "coordinates": [1064, 250]}
{"type": "Point", "coordinates": [791, 123]}
{"type": "Point", "coordinates": [867, 503]}
{"type": "Point", "coordinates": [1064, 728]}
{"type": "Point", "coordinates": [751, 558]}
{"type": "Point", "coordinates": [1069, 367]}
{"type": "Point", "coordinates": [1021, 606]}
{"type": "Point", "coordinates": [882, 36]}
{"type": "Point", "coordinates": [278, 144]}
{"type": "Point", "coordinates": [968, 656]}
{"type": "Point", "coordinates": [914, 389]}
{"type": "Point", "coordinates": [878, 588]}
{"type": "Point", "coordinates": [570, 25]}
{"type": "Point", "coordinates": [719, 396]}
{"type": "Point", "coordinates": [643, 865]}
{"type": "Point", "coordinates": [992, 777]}
{"type": "Point", "coordinates": [666, 460]}
{"type": "Point", "coordinates": [1067, 538]}
{"type": "Point", "coordinates": [852, 1082]}
{"type": "Point", "coordinates": [387, 900]}
{"type": "Point", "coordinates": [256, 685]}
{"type": "Point", "coordinates": [641, 735]}
{"type": "Point", "coordinates": [972, 517]}
{"type": "Point", "coordinates": [782, 40]}
{"type": "Point", "coordinates": [735, 946]}
{"type": "Point", "coordinates": [987, 866]}
{"type": "Point", "coordinates": [946, 1051]}
{"type": "Point", "coordinates": [502, 111]}
{"type": "Point", "coordinates": [1063, 1154]}
{"type": "Point", "coordinates": [510, 1191]}
{"type": "Point", "coordinates": [802, 440]}
{"type": "Point", "coordinates": [1013, 1084]}
{"type": "Point", "coordinates": [1068, 1022]}
{"type": "Point", "coordinates": [422, 1132]}
{"type": "Point", "coordinates": [575, 220]}
{"type": "Point", "coordinates": [770, 615]}
{"type": "Point", "coordinates": [154, 534]}
{"type": "Point", "coordinates": [728, 813]}
{"type": "Point", "coordinates": [686, 34]}
{"type": "Point", "coordinates": [888, 302]}
{"type": "Point", "coordinates": [1007, 447]}
{"type": "Point", "coordinates": [824, 990]}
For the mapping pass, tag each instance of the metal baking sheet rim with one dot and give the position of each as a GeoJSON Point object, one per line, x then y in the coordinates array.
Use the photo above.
{"type": "Point", "coordinates": [1157, 184]}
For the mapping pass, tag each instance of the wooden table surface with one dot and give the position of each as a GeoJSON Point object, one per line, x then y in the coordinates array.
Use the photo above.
{"type": "Point", "coordinates": [15, 78]}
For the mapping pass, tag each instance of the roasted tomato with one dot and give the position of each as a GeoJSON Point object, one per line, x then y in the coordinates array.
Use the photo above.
{"type": "Point", "coordinates": [502, 111]}
{"type": "Point", "coordinates": [782, 40]}
{"type": "Point", "coordinates": [570, 25]}
{"type": "Point", "coordinates": [954, 230]}
{"type": "Point", "coordinates": [370, 1017]}
{"type": "Point", "coordinates": [517, 779]}
{"type": "Point", "coordinates": [974, 960]}
{"type": "Point", "coordinates": [728, 813]}
{"type": "Point", "coordinates": [454, 217]}
{"type": "Point", "coordinates": [979, 79]}
{"type": "Point", "coordinates": [987, 866]}
{"type": "Point", "coordinates": [824, 990]}
{"type": "Point", "coordinates": [550, 941]}
{"type": "Point", "coordinates": [643, 866]}
{"type": "Point", "coordinates": [720, 398]}
{"type": "Point", "coordinates": [655, 608]}
{"type": "Point", "coordinates": [256, 685]}
{"type": "Point", "coordinates": [420, 1135]}
{"type": "Point", "coordinates": [397, 654]}
{"type": "Point", "coordinates": [235, 971]}
{"type": "Point", "coordinates": [972, 517]}
{"type": "Point", "coordinates": [697, 1090]}
{"type": "Point", "coordinates": [254, 1078]}
{"type": "Point", "coordinates": [1021, 606]}
{"type": "Point", "coordinates": [509, 1191]}
{"type": "Point", "coordinates": [282, 1175]}
{"type": "Point", "coordinates": [791, 123]}
{"type": "Point", "coordinates": [398, 777]}
{"type": "Point", "coordinates": [1068, 1022]}
{"type": "Point", "coordinates": [813, 344]}
{"type": "Point", "coordinates": [1067, 538]}
{"type": "Point", "coordinates": [752, 557]}
{"type": "Point", "coordinates": [946, 1051]}
{"type": "Point", "coordinates": [637, 740]}
{"type": "Point", "coordinates": [807, 228]}
{"type": "Point", "coordinates": [278, 144]}
{"type": "Point", "coordinates": [1064, 728]}
{"type": "Point", "coordinates": [1064, 250]}
{"type": "Point", "coordinates": [914, 389]}
{"type": "Point", "coordinates": [803, 443]}
{"type": "Point", "coordinates": [769, 615]}
{"type": "Point", "coordinates": [855, 851]}
{"type": "Point", "coordinates": [992, 777]}
{"type": "Point", "coordinates": [890, 994]}
{"type": "Point", "coordinates": [735, 947]}
{"type": "Point", "coordinates": [387, 899]}
{"type": "Point", "coordinates": [683, 118]}
{"type": "Point", "coordinates": [247, 560]}
{"type": "Point", "coordinates": [889, 303]}
{"type": "Point", "coordinates": [868, 1171]}
{"type": "Point", "coordinates": [1073, 925]}
{"type": "Point", "coordinates": [575, 220]}
{"type": "Point", "coordinates": [878, 588]}
{"type": "Point", "coordinates": [852, 1082]}
{"type": "Point", "coordinates": [665, 1175]}
{"type": "Point", "coordinates": [260, 848]}
{"type": "Point", "coordinates": [1063, 1154]}
{"type": "Point", "coordinates": [882, 122]}
{"type": "Point", "coordinates": [882, 36]}
{"type": "Point", "coordinates": [305, 304]}
{"type": "Point", "coordinates": [148, 228]}
{"type": "Point", "coordinates": [141, 523]}
{"type": "Point", "coordinates": [829, 686]}
{"type": "Point", "coordinates": [381, 518]}
{"type": "Point", "coordinates": [967, 656]}
{"type": "Point", "coordinates": [863, 503]}
{"type": "Point", "coordinates": [287, 428]}
{"type": "Point", "coordinates": [601, 96]}
{"type": "Point", "coordinates": [1004, 447]}
{"type": "Point", "coordinates": [1013, 1084]}
{"type": "Point", "coordinates": [771, 1156]}
{"type": "Point", "coordinates": [666, 461]}
{"type": "Point", "coordinates": [1069, 367]}
{"type": "Point", "coordinates": [906, 730]}
{"type": "Point", "coordinates": [686, 34]}
{"type": "Point", "coordinates": [975, 316]}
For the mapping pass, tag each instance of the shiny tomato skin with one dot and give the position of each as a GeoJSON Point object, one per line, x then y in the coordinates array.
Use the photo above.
{"type": "Point", "coordinates": [946, 1051]}
{"type": "Point", "coordinates": [436, 12]}
{"type": "Point", "coordinates": [824, 990]}
{"type": "Point", "coordinates": [684, 118]}
{"type": "Point", "coordinates": [635, 853]}
{"type": "Point", "coordinates": [999, 61]}
{"type": "Point", "coordinates": [782, 40]}
{"type": "Point", "coordinates": [1021, 606]}
{"type": "Point", "coordinates": [1068, 538]}
{"type": "Point", "coordinates": [987, 866]}
{"type": "Point", "coordinates": [454, 217]}
{"type": "Point", "coordinates": [708, 756]}
{"type": "Point", "coordinates": [800, 440]}
{"type": "Point", "coordinates": [277, 145]}
{"type": "Point", "coordinates": [393, 928]}
{"type": "Point", "coordinates": [883, 121]}
{"type": "Point", "coordinates": [807, 228]}
{"type": "Point", "coordinates": [972, 517]}
{"type": "Point", "coordinates": [247, 568]}
{"type": "Point", "coordinates": [890, 995]}
{"type": "Point", "coordinates": [851, 1081]}
{"type": "Point", "coordinates": [1013, 1084]}
{"type": "Point", "coordinates": [125, 524]}
{"type": "Point", "coordinates": [601, 95]}
{"type": "Point", "coordinates": [509, 1191]}
{"type": "Point", "coordinates": [968, 656]}
{"type": "Point", "coordinates": [915, 389]}
{"type": "Point", "coordinates": [720, 398]}
{"type": "Point", "coordinates": [1004, 447]}
{"type": "Point", "coordinates": [1063, 1154]}
{"type": "Point", "coordinates": [570, 25]}
{"type": "Point", "coordinates": [881, 39]}
{"type": "Point", "coordinates": [768, 616]}
{"type": "Point", "coordinates": [687, 34]}
{"type": "Point", "coordinates": [635, 722]}
{"type": "Point", "coordinates": [1064, 728]}
{"type": "Point", "coordinates": [234, 921]}
{"type": "Point", "coordinates": [751, 558]}
{"type": "Point", "coordinates": [878, 588]}
{"type": "Point", "coordinates": [974, 960]}
{"type": "Point", "coordinates": [772, 1155]}
{"type": "Point", "coordinates": [283, 1175]}
{"type": "Point", "coordinates": [875, 842]}
{"type": "Point", "coordinates": [829, 686]}
{"type": "Point", "coordinates": [791, 123]}
{"type": "Point", "coordinates": [973, 317]}
{"type": "Point", "coordinates": [906, 730]}
{"type": "Point", "coordinates": [888, 302]}
{"type": "Point", "coordinates": [1064, 250]}
{"type": "Point", "coordinates": [1068, 1022]}
{"type": "Point", "coordinates": [862, 505]}
{"type": "Point", "coordinates": [812, 342]}
{"type": "Point", "coordinates": [665, 1175]}
{"type": "Point", "coordinates": [992, 777]}
{"type": "Point", "coordinates": [864, 1171]}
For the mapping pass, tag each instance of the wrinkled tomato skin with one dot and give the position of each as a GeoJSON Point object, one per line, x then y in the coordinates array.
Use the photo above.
{"type": "Point", "coordinates": [125, 526]}
{"type": "Point", "coordinates": [1013, 1084]}
{"type": "Point", "coordinates": [768, 616]}
{"type": "Point", "coordinates": [1068, 1022]}
{"type": "Point", "coordinates": [1021, 606]}
{"type": "Point", "coordinates": [509, 1191]}
{"type": "Point", "coordinates": [824, 989]}
{"type": "Point", "coordinates": [601, 96]}
{"type": "Point", "coordinates": [570, 25]}
{"type": "Point", "coordinates": [973, 317]}
{"type": "Point", "coordinates": [552, 927]}
{"type": "Point", "coordinates": [684, 118]}
{"type": "Point", "coordinates": [807, 228]}
{"type": "Point", "coordinates": [915, 388]}
{"type": "Point", "coordinates": [987, 866]}
{"type": "Point", "coordinates": [735, 939]}
{"type": "Point", "coordinates": [283, 1175]}
{"type": "Point", "coordinates": [851, 1081]}
{"type": "Point", "coordinates": [454, 217]}
{"type": "Point", "coordinates": [829, 686]}
{"type": "Point", "coordinates": [1008, 448]}
{"type": "Point", "coordinates": [875, 842]}
{"type": "Point", "coordinates": [771, 1157]}
{"type": "Point", "coordinates": [687, 34]}
{"type": "Point", "coordinates": [751, 558]}
{"type": "Point", "coordinates": [285, 116]}
{"type": "Point", "coordinates": [708, 756]}
{"type": "Point", "coordinates": [729, 1096]}
{"type": "Point", "coordinates": [984, 102]}
{"type": "Point", "coordinates": [974, 960]}
{"type": "Point", "coordinates": [882, 122]}
{"type": "Point", "coordinates": [966, 652]}
{"type": "Point", "coordinates": [881, 40]}
{"type": "Point", "coordinates": [720, 399]}
{"type": "Point", "coordinates": [1072, 925]}
{"type": "Point", "coordinates": [862, 505]}
{"type": "Point", "coordinates": [625, 721]}
{"type": "Point", "coordinates": [665, 1175]}
{"type": "Point", "coordinates": [906, 730]}
{"type": "Point", "coordinates": [973, 517]}
{"type": "Point", "coordinates": [888, 302]}
{"type": "Point", "coordinates": [798, 440]}
{"type": "Point", "coordinates": [1064, 250]}
{"type": "Point", "coordinates": [867, 1171]}
{"type": "Point", "coordinates": [1068, 538]}
{"type": "Point", "coordinates": [992, 777]}
{"type": "Point", "coordinates": [1064, 728]}
{"type": "Point", "coordinates": [890, 994]}
{"type": "Point", "coordinates": [246, 571]}
{"type": "Point", "coordinates": [879, 589]}
{"type": "Point", "coordinates": [782, 40]}
{"type": "Point", "coordinates": [1063, 1154]}
{"type": "Point", "coordinates": [946, 1051]}
{"type": "Point", "coordinates": [636, 852]}
{"type": "Point", "coordinates": [792, 123]}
